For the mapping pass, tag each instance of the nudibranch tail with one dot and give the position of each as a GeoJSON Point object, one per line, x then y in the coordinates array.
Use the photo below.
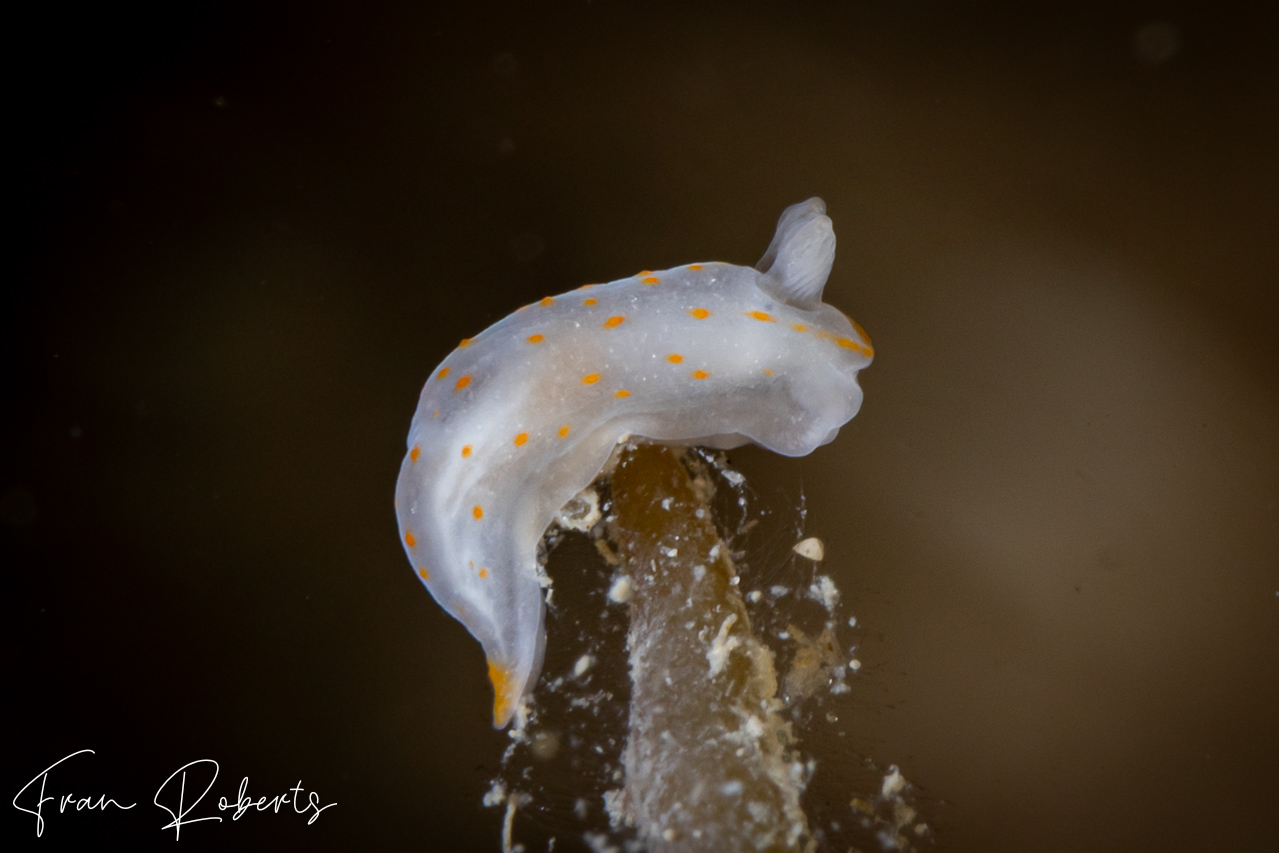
{"type": "Point", "coordinates": [523, 416]}
{"type": "Point", "coordinates": [506, 694]}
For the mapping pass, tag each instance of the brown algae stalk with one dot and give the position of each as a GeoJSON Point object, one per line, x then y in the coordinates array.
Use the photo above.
{"type": "Point", "coordinates": [709, 763]}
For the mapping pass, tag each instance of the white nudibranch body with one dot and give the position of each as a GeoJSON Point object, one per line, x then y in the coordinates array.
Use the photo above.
{"type": "Point", "coordinates": [522, 417]}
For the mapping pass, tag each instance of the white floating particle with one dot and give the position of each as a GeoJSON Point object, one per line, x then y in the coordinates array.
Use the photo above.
{"type": "Point", "coordinates": [894, 782]}
{"type": "Point", "coordinates": [496, 795]}
{"type": "Point", "coordinates": [584, 663]}
{"type": "Point", "coordinates": [824, 591]}
{"type": "Point", "coordinates": [722, 645]}
{"type": "Point", "coordinates": [581, 513]}
{"type": "Point", "coordinates": [620, 591]}
{"type": "Point", "coordinates": [811, 549]}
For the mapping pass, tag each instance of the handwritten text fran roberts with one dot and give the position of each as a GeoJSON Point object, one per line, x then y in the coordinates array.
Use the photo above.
{"type": "Point", "coordinates": [182, 795]}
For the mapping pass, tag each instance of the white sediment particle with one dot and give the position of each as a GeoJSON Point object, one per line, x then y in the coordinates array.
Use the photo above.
{"type": "Point", "coordinates": [714, 552]}
{"type": "Point", "coordinates": [513, 802]}
{"type": "Point", "coordinates": [889, 840]}
{"type": "Point", "coordinates": [581, 513]}
{"type": "Point", "coordinates": [824, 591]}
{"type": "Point", "coordinates": [614, 805]}
{"type": "Point", "coordinates": [495, 796]}
{"type": "Point", "coordinates": [699, 572]}
{"type": "Point", "coordinates": [584, 663]}
{"type": "Point", "coordinates": [666, 503]}
{"type": "Point", "coordinates": [722, 646]}
{"type": "Point", "coordinates": [597, 842]}
{"type": "Point", "coordinates": [894, 783]}
{"type": "Point", "coordinates": [852, 621]}
{"type": "Point", "coordinates": [754, 596]}
{"type": "Point", "coordinates": [671, 552]}
{"type": "Point", "coordinates": [811, 549]}
{"type": "Point", "coordinates": [620, 591]}
{"type": "Point", "coordinates": [519, 731]}
{"type": "Point", "coordinates": [854, 664]}
{"type": "Point", "coordinates": [733, 477]}
{"type": "Point", "coordinates": [753, 727]}
{"type": "Point", "coordinates": [732, 789]}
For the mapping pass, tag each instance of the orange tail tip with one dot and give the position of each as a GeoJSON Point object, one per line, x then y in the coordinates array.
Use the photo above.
{"type": "Point", "coordinates": [504, 697]}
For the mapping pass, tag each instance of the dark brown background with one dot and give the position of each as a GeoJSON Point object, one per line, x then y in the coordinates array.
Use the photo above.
{"type": "Point", "coordinates": [248, 231]}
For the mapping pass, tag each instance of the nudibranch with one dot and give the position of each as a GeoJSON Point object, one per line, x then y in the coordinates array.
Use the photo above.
{"type": "Point", "coordinates": [520, 418]}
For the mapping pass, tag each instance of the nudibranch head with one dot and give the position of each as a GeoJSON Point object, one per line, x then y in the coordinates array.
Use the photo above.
{"type": "Point", "coordinates": [520, 418]}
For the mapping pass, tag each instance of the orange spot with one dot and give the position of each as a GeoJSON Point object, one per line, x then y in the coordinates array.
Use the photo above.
{"type": "Point", "coordinates": [462, 382]}
{"type": "Point", "coordinates": [564, 431]}
{"type": "Point", "coordinates": [614, 321]}
{"type": "Point", "coordinates": [423, 573]}
{"type": "Point", "coordinates": [651, 280]}
{"type": "Point", "coordinates": [535, 339]}
{"type": "Point", "coordinates": [799, 327]}
{"type": "Point", "coordinates": [849, 343]}
{"type": "Point", "coordinates": [622, 393]}
{"type": "Point", "coordinates": [694, 266]}
{"type": "Point", "coordinates": [699, 374]}
{"type": "Point", "coordinates": [483, 573]}
{"type": "Point", "coordinates": [520, 439]}
{"type": "Point", "coordinates": [586, 287]}
{"type": "Point", "coordinates": [414, 454]}
{"type": "Point", "coordinates": [643, 272]}
{"type": "Point", "coordinates": [466, 451]}
{"type": "Point", "coordinates": [444, 371]}
{"type": "Point", "coordinates": [590, 379]}
{"type": "Point", "coordinates": [768, 371]}
{"type": "Point", "coordinates": [466, 342]}
{"type": "Point", "coordinates": [674, 358]}
{"type": "Point", "coordinates": [436, 413]}
{"type": "Point", "coordinates": [761, 316]}
{"type": "Point", "coordinates": [503, 698]}
{"type": "Point", "coordinates": [408, 538]}
{"type": "Point", "coordinates": [861, 333]}
{"type": "Point", "coordinates": [700, 313]}
{"type": "Point", "coordinates": [547, 301]}
{"type": "Point", "coordinates": [590, 302]}
{"type": "Point", "coordinates": [478, 512]}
